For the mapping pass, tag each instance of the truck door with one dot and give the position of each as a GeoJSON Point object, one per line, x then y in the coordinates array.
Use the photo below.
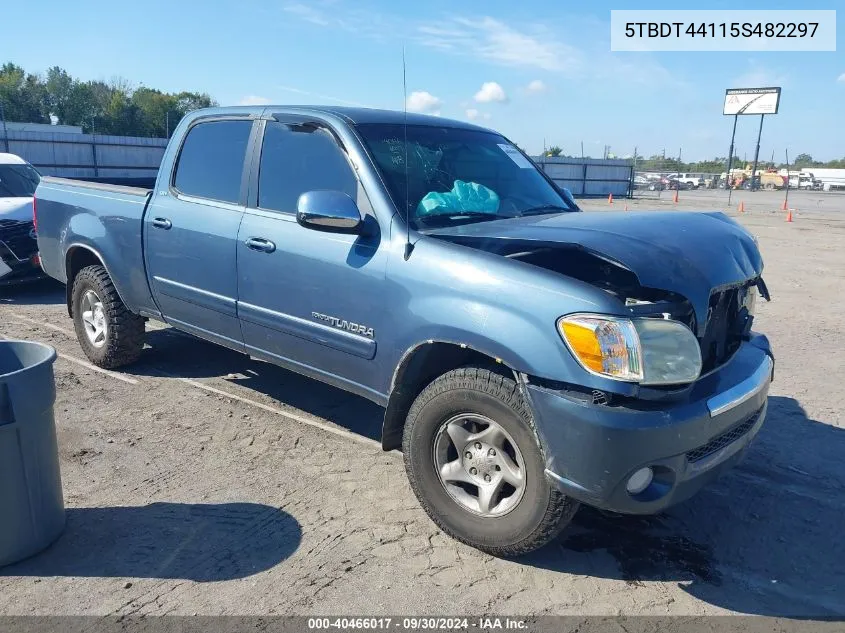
{"type": "Point", "coordinates": [309, 299]}
{"type": "Point", "coordinates": [191, 231]}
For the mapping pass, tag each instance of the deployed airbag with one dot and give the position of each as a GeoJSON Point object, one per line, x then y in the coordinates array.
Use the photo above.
{"type": "Point", "coordinates": [465, 196]}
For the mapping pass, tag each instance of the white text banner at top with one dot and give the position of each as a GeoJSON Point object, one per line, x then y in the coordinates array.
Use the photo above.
{"type": "Point", "coordinates": [723, 30]}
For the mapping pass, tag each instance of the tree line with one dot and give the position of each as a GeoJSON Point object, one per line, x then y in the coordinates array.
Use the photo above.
{"type": "Point", "coordinates": [114, 107]}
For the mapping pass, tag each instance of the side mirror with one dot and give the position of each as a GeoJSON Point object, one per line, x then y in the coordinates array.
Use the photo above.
{"type": "Point", "coordinates": [328, 211]}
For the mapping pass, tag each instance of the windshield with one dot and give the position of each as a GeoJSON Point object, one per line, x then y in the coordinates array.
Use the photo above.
{"type": "Point", "coordinates": [18, 181]}
{"type": "Point", "coordinates": [457, 175]}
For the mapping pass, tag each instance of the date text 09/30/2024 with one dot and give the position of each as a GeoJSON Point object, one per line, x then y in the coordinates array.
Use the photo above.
{"type": "Point", "coordinates": [418, 623]}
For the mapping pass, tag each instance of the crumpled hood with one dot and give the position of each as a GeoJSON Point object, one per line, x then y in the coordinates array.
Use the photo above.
{"type": "Point", "coordinates": [688, 253]}
{"type": "Point", "coordinates": [16, 209]}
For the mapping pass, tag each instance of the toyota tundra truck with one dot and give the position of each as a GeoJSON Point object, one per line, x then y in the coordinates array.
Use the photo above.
{"type": "Point", "coordinates": [529, 357]}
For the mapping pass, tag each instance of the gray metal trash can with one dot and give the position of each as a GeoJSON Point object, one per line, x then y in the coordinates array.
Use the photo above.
{"type": "Point", "coordinates": [32, 512]}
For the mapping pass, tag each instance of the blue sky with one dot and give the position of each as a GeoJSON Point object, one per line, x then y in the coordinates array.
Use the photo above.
{"type": "Point", "coordinates": [547, 66]}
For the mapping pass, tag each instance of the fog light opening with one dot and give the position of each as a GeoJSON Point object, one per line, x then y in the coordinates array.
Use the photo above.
{"type": "Point", "coordinates": [640, 480]}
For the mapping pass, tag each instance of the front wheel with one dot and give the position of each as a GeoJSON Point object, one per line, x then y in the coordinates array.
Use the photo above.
{"type": "Point", "coordinates": [110, 335]}
{"type": "Point", "coordinates": [474, 463]}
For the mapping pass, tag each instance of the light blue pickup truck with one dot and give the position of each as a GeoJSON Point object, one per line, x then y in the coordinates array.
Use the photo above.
{"type": "Point", "coordinates": [529, 356]}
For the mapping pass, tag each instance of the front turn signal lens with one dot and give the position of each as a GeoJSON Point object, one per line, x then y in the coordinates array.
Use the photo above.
{"type": "Point", "coordinates": [607, 346]}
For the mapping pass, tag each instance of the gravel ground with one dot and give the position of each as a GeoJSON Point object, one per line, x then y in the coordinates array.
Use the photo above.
{"type": "Point", "coordinates": [199, 481]}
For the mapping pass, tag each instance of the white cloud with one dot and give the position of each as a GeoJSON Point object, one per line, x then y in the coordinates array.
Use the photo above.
{"type": "Point", "coordinates": [841, 78]}
{"type": "Point", "coordinates": [473, 114]}
{"type": "Point", "coordinates": [536, 87]}
{"type": "Point", "coordinates": [497, 42]}
{"type": "Point", "coordinates": [309, 14]}
{"type": "Point", "coordinates": [758, 76]}
{"type": "Point", "coordinates": [422, 101]}
{"type": "Point", "coordinates": [490, 92]}
{"type": "Point", "coordinates": [254, 100]}
{"type": "Point", "coordinates": [323, 97]}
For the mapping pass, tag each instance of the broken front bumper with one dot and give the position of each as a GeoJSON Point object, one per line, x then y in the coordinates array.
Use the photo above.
{"type": "Point", "coordinates": [593, 450]}
{"type": "Point", "coordinates": [18, 252]}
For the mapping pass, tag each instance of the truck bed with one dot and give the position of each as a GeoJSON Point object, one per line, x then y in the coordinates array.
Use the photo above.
{"type": "Point", "coordinates": [99, 218]}
{"type": "Point", "coordinates": [98, 186]}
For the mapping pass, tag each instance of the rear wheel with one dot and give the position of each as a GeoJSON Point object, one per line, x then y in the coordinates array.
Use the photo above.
{"type": "Point", "coordinates": [474, 462]}
{"type": "Point", "coordinates": [110, 335]}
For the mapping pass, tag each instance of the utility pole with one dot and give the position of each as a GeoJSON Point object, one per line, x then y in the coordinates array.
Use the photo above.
{"type": "Point", "coordinates": [5, 131]}
{"type": "Point", "coordinates": [757, 153]}
{"type": "Point", "coordinates": [786, 197]}
{"type": "Point", "coordinates": [731, 160]}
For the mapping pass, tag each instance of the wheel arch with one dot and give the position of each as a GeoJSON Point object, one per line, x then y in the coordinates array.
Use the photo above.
{"type": "Point", "coordinates": [418, 367]}
{"type": "Point", "coordinates": [77, 257]}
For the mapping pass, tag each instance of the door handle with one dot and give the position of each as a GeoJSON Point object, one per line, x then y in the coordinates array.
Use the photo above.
{"type": "Point", "coordinates": [162, 223]}
{"type": "Point", "coordinates": [260, 244]}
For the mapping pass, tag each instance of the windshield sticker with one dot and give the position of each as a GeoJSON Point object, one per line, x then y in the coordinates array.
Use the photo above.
{"type": "Point", "coordinates": [516, 156]}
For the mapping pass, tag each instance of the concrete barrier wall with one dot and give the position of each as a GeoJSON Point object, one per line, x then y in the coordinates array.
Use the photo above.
{"type": "Point", "coordinates": [89, 156]}
{"type": "Point", "coordinates": [589, 177]}
{"type": "Point", "coordinates": [128, 158]}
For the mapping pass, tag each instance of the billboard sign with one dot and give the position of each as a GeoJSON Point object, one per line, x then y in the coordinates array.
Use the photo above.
{"type": "Point", "coordinates": [752, 101]}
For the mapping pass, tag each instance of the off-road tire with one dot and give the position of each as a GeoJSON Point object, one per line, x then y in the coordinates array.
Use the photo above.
{"type": "Point", "coordinates": [125, 330]}
{"type": "Point", "coordinates": [541, 514]}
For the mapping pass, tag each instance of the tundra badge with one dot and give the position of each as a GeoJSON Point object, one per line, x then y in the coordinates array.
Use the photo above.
{"type": "Point", "coordinates": [343, 324]}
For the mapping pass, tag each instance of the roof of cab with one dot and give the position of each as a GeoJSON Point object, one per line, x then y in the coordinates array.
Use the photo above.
{"type": "Point", "coordinates": [11, 159]}
{"type": "Point", "coordinates": [352, 116]}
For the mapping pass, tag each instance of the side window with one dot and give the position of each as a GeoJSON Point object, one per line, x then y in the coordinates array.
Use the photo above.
{"type": "Point", "coordinates": [300, 158]}
{"type": "Point", "coordinates": [211, 162]}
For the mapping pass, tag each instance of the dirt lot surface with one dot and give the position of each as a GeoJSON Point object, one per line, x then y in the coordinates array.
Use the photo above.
{"type": "Point", "coordinates": [199, 481]}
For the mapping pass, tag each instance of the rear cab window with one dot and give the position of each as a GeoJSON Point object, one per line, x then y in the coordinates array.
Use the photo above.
{"type": "Point", "coordinates": [211, 160]}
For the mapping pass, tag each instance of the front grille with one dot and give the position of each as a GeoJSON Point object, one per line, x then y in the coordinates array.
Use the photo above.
{"type": "Point", "coordinates": [15, 236]}
{"type": "Point", "coordinates": [720, 441]}
{"type": "Point", "coordinates": [727, 322]}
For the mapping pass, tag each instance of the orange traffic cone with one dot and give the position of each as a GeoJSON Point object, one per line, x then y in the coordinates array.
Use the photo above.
{"type": "Point", "coordinates": [675, 197]}
{"type": "Point", "coordinates": [789, 216]}
{"type": "Point", "coordinates": [783, 207]}
{"type": "Point", "coordinates": [610, 199]}
{"type": "Point", "coordinates": [741, 208]}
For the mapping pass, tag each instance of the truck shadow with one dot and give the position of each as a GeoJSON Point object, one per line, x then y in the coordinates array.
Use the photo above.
{"type": "Point", "coordinates": [174, 353]}
{"type": "Point", "coordinates": [199, 542]}
{"type": "Point", "coordinates": [41, 292]}
{"type": "Point", "coordinates": [764, 539]}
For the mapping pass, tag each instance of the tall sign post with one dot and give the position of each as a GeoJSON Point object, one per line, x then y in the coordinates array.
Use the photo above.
{"type": "Point", "coordinates": [746, 101]}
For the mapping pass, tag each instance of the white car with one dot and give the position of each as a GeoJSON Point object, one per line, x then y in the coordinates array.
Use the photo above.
{"type": "Point", "coordinates": [693, 181]}
{"type": "Point", "coordinates": [18, 247]}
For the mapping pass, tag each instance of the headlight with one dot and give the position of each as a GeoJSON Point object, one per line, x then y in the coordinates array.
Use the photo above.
{"type": "Point", "coordinates": [648, 351]}
{"type": "Point", "coordinates": [604, 345]}
{"type": "Point", "coordinates": [751, 299]}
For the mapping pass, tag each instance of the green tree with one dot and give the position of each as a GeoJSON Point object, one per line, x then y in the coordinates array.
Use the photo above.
{"type": "Point", "coordinates": [803, 160]}
{"type": "Point", "coordinates": [554, 151]}
{"type": "Point", "coordinates": [22, 95]}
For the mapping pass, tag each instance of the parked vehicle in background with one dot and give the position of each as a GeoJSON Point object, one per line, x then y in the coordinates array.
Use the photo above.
{"type": "Point", "coordinates": [681, 185]}
{"type": "Point", "coordinates": [828, 179]}
{"type": "Point", "coordinates": [711, 181]}
{"type": "Point", "coordinates": [769, 180]}
{"type": "Point", "coordinates": [691, 181]}
{"type": "Point", "coordinates": [18, 246]}
{"type": "Point", "coordinates": [529, 357]}
{"type": "Point", "coordinates": [806, 181]}
{"type": "Point", "coordinates": [641, 182]}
